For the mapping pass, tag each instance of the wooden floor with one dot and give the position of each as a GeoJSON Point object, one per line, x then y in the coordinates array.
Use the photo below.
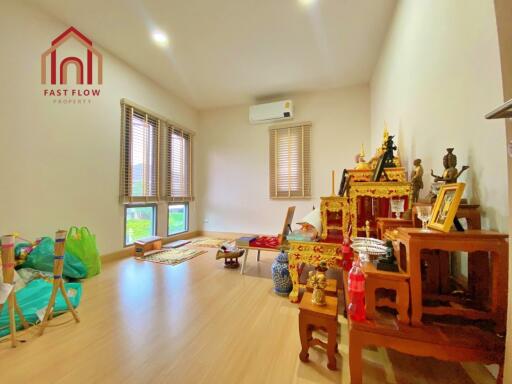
{"type": "Point", "coordinates": [196, 323]}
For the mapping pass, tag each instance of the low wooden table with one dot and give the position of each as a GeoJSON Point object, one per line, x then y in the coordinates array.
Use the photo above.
{"type": "Point", "coordinates": [151, 243]}
{"type": "Point", "coordinates": [443, 342]}
{"type": "Point", "coordinates": [414, 240]}
{"type": "Point", "coordinates": [389, 223]}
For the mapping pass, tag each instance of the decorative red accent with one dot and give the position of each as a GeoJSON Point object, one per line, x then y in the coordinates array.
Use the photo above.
{"type": "Point", "coordinates": [89, 66]}
{"type": "Point", "coordinates": [53, 57]}
{"type": "Point", "coordinates": [8, 265]}
{"type": "Point", "coordinates": [67, 32]}
{"type": "Point", "coordinates": [271, 242]}
{"type": "Point", "coordinates": [80, 69]}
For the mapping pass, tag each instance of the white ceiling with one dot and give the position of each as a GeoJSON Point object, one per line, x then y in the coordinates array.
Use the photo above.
{"type": "Point", "coordinates": [226, 52]}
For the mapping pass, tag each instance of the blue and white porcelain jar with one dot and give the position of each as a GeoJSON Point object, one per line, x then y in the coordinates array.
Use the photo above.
{"type": "Point", "coordinates": [281, 275]}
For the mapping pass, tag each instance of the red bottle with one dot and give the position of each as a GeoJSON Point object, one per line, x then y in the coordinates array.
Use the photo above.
{"type": "Point", "coordinates": [356, 308]}
{"type": "Point", "coordinates": [348, 255]}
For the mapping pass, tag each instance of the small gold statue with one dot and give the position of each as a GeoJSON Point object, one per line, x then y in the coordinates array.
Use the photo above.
{"type": "Point", "coordinates": [318, 281]}
{"type": "Point", "coordinates": [360, 161]}
{"type": "Point", "coordinates": [416, 180]}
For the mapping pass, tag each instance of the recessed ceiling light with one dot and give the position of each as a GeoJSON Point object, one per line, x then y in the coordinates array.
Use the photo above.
{"type": "Point", "coordinates": [307, 3]}
{"type": "Point", "coordinates": [160, 38]}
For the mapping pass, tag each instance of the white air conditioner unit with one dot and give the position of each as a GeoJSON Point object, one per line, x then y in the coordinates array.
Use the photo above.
{"type": "Point", "coordinates": [270, 112]}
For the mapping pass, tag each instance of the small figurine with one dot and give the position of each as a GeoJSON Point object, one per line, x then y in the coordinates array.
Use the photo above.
{"type": "Point", "coordinates": [416, 180]}
{"type": "Point", "coordinates": [360, 161]}
{"type": "Point", "coordinates": [388, 262]}
{"type": "Point", "coordinates": [318, 281]}
{"type": "Point", "coordinates": [388, 156]}
{"type": "Point", "coordinates": [450, 174]}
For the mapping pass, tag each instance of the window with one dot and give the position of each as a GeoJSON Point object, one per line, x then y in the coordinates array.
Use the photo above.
{"type": "Point", "coordinates": [290, 168]}
{"type": "Point", "coordinates": [139, 156]}
{"type": "Point", "coordinates": [177, 221]}
{"type": "Point", "coordinates": [139, 222]}
{"type": "Point", "coordinates": [179, 165]}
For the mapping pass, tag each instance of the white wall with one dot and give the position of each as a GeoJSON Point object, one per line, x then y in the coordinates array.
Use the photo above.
{"type": "Point", "coordinates": [60, 163]}
{"type": "Point", "coordinates": [439, 73]}
{"type": "Point", "coordinates": [233, 159]}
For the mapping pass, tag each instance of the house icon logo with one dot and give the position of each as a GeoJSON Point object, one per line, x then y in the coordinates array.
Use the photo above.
{"type": "Point", "coordinates": [59, 71]}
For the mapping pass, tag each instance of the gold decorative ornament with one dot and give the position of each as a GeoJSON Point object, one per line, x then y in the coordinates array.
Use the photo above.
{"type": "Point", "coordinates": [318, 281]}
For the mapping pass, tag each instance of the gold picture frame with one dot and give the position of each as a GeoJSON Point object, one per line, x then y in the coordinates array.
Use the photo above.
{"type": "Point", "coordinates": [445, 207]}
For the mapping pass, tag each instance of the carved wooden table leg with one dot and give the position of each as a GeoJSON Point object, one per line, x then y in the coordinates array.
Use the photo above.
{"type": "Point", "coordinates": [402, 302]}
{"type": "Point", "coordinates": [355, 355]}
{"type": "Point", "coordinates": [294, 276]}
{"type": "Point", "coordinates": [305, 335]}
{"type": "Point", "coordinates": [370, 298]}
{"type": "Point", "coordinates": [332, 343]}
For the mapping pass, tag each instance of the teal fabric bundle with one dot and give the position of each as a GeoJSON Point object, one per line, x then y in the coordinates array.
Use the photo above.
{"type": "Point", "coordinates": [35, 296]}
{"type": "Point", "coordinates": [41, 258]}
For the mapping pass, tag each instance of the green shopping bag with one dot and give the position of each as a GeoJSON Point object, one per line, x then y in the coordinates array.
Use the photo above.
{"type": "Point", "coordinates": [81, 243]}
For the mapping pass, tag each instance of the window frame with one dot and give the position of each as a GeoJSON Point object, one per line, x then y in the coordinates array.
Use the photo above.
{"type": "Point", "coordinates": [305, 148]}
{"type": "Point", "coordinates": [142, 205]}
{"type": "Point", "coordinates": [187, 218]}
{"type": "Point", "coordinates": [170, 130]}
{"type": "Point", "coordinates": [125, 186]}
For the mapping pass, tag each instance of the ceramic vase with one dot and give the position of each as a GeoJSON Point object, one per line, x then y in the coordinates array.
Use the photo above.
{"type": "Point", "coordinates": [281, 275]}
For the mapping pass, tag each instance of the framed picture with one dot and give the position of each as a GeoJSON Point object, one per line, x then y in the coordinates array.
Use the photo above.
{"type": "Point", "coordinates": [445, 207]}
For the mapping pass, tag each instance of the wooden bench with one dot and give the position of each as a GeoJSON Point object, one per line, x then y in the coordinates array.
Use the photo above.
{"type": "Point", "coordinates": [151, 243]}
{"type": "Point", "coordinates": [443, 342]}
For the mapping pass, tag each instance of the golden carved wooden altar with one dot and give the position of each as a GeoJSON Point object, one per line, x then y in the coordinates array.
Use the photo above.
{"type": "Point", "coordinates": [335, 218]}
{"type": "Point", "coordinates": [312, 253]}
{"type": "Point", "coordinates": [393, 174]}
{"type": "Point", "coordinates": [370, 200]}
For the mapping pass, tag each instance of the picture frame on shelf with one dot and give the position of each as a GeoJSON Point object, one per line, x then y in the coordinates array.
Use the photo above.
{"type": "Point", "coordinates": [445, 206]}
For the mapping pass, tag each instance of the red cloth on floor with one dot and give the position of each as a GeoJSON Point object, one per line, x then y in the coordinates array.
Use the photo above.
{"type": "Point", "coordinates": [271, 242]}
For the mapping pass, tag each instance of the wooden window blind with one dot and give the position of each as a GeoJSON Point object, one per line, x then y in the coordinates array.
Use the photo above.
{"type": "Point", "coordinates": [290, 161]}
{"type": "Point", "coordinates": [140, 145]}
{"type": "Point", "coordinates": [179, 165]}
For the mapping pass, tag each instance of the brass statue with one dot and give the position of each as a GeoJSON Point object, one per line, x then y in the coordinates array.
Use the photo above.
{"type": "Point", "coordinates": [450, 174]}
{"type": "Point", "coordinates": [318, 281]}
{"type": "Point", "coordinates": [416, 180]}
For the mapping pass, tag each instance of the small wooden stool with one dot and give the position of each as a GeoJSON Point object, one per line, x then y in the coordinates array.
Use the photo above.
{"type": "Point", "coordinates": [330, 290]}
{"type": "Point", "coordinates": [396, 281]}
{"type": "Point", "coordinates": [312, 317]}
{"type": "Point", "coordinates": [151, 243]}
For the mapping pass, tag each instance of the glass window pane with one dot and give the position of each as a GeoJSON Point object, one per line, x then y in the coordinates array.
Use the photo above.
{"type": "Point", "coordinates": [140, 223]}
{"type": "Point", "coordinates": [178, 218]}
